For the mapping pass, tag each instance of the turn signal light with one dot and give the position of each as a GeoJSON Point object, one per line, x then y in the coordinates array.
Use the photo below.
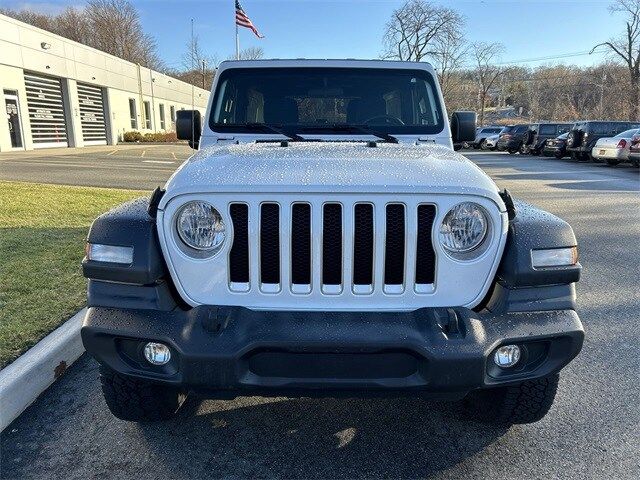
{"type": "Point", "coordinates": [554, 257]}
{"type": "Point", "coordinates": [109, 253]}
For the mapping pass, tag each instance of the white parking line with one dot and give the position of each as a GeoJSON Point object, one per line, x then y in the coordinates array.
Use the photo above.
{"type": "Point", "coordinates": [158, 161]}
{"type": "Point", "coordinates": [112, 152]}
{"type": "Point", "coordinates": [143, 152]}
{"type": "Point", "coordinates": [173, 155]}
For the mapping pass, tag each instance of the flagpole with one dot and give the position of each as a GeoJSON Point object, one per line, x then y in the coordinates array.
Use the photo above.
{"type": "Point", "coordinates": [237, 44]}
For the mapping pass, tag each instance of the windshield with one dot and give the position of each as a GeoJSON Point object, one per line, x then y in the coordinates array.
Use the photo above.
{"type": "Point", "coordinates": [627, 133]}
{"type": "Point", "coordinates": [308, 100]}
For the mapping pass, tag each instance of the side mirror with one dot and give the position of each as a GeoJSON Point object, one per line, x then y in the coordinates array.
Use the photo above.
{"type": "Point", "coordinates": [463, 126]}
{"type": "Point", "coordinates": [189, 126]}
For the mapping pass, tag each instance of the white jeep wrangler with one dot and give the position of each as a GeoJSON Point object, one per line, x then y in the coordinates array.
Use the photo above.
{"type": "Point", "coordinates": [326, 240]}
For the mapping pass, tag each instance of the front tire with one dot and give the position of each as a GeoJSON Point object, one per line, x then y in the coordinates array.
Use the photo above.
{"type": "Point", "coordinates": [525, 402]}
{"type": "Point", "coordinates": [613, 161]}
{"type": "Point", "coordinates": [136, 400]}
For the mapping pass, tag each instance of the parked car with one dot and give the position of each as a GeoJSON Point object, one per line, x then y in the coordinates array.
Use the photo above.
{"type": "Point", "coordinates": [556, 147]}
{"type": "Point", "coordinates": [305, 251]}
{"type": "Point", "coordinates": [490, 143]}
{"type": "Point", "coordinates": [584, 135]}
{"type": "Point", "coordinates": [511, 138]}
{"type": "Point", "coordinates": [614, 150]}
{"type": "Point", "coordinates": [634, 151]}
{"type": "Point", "coordinates": [539, 133]}
{"type": "Point", "coordinates": [482, 134]}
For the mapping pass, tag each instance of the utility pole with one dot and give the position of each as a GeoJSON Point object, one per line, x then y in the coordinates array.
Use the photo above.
{"type": "Point", "coordinates": [204, 68]}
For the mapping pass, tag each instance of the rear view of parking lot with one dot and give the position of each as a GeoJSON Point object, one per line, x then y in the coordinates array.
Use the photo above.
{"type": "Point", "coordinates": [591, 431]}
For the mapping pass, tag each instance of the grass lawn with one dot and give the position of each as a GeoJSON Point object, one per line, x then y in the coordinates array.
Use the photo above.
{"type": "Point", "coordinates": [42, 235]}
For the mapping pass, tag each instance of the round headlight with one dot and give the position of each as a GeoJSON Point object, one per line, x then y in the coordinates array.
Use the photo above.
{"type": "Point", "coordinates": [200, 226]}
{"type": "Point", "coordinates": [464, 228]}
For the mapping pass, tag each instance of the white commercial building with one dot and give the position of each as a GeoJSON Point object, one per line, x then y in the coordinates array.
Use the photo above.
{"type": "Point", "coordinates": [60, 93]}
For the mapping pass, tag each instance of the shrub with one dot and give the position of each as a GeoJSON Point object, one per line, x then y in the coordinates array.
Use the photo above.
{"type": "Point", "coordinates": [133, 136]}
{"type": "Point", "coordinates": [160, 137]}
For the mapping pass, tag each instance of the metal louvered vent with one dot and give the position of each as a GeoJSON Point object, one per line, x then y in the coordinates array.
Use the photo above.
{"type": "Point", "coordinates": [92, 118]}
{"type": "Point", "coordinates": [46, 111]}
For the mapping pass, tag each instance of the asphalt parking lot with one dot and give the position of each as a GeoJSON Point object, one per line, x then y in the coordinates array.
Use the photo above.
{"type": "Point", "coordinates": [135, 166]}
{"type": "Point", "coordinates": [591, 431]}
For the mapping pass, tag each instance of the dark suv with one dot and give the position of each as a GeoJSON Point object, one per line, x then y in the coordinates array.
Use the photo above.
{"type": "Point", "coordinates": [512, 137]}
{"type": "Point", "coordinates": [584, 135]}
{"type": "Point", "coordinates": [539, 133]}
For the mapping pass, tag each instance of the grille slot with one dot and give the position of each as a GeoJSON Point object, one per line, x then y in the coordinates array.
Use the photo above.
{"type": "Point", "coordinates": [301, 244]}
{"type": "Point", "coordinates": [270, 243]}
{"type": "Point", "coordinates": [332, 244]}
{"type": "Point", "coordinates": [239, 255]}
{"type": "Point", "coordinates": [394, 245]}
{"type": "Point", "coordinates": [425, 255]}
{"type": "Point", "coordinates": [363, 244]}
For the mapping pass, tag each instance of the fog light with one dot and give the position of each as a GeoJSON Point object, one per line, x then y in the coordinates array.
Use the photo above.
{"type": "Point", "coordinates": [507, 356]}
{"type": "Point", "coordinates": [157, 353]}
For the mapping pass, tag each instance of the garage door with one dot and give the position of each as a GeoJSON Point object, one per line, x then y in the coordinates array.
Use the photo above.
{"type": "Point", "coordinates": [94, 130]}
{"type": "Point", "coordinates": [46, 111]}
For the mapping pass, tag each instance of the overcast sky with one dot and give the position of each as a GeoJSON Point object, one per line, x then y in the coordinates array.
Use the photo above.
{"type": "Point", "coordinates": [353, 28]}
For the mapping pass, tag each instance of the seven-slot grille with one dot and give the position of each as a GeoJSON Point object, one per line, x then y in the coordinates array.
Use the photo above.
{"type": "Point", "coordinates": [335, 244]}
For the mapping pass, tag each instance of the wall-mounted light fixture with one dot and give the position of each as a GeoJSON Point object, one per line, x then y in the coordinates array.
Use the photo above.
{"type": "Point", "coordinates": [45, 45]}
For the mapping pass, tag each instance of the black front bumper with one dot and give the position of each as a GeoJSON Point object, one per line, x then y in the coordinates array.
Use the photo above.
{"type": "Point", "coordinates": [236, 351]}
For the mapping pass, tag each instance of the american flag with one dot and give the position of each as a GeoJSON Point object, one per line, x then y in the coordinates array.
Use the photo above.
{"type": "Point", "coordinates": [243, 20]}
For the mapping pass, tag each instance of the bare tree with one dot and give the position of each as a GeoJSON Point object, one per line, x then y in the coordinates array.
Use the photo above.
{"type": "Point", "coordinates": [448, 58]}
{"type": "Point", "coordinates": [72, 24]}
{"type": "Point", "coordinates": [112, 26]}
{"type": "Point", "coordinates": [250, 53]}
{"type": "Point", "coordinates": [39, 20]}
{"type": "Point", "coordinates": [415, 30]}
{"type": "Point", "coordinates": [198, 68]}
{"type": "Point", "coordinates": [627, 47]}
{"type": "Point", "coordinates": [116, 29]}
{"type": "Point", "coordinates": [486, 71]}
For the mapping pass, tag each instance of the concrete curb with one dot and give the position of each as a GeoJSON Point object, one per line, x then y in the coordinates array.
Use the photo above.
{"type": "Point", "coordinates": [32, 373]}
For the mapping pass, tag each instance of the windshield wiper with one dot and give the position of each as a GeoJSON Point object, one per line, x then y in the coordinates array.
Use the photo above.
{"type": "Point", "coordinates": [340, 127]}
{"type": "Point", "coordinates": [277, 128]}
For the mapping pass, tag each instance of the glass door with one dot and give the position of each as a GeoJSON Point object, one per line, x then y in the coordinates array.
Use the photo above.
{"type": "Point", "coordinates": [13, 117]}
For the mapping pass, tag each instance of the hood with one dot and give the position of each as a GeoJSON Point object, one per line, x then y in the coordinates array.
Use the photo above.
{"type": "Point", "coordinates": [316, 167]}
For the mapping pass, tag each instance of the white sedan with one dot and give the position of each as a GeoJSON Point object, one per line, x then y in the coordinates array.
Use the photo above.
{"type": "Point", "coordinates": [614, 149]}
{"type": "Point", "coordinates": [490, 142]}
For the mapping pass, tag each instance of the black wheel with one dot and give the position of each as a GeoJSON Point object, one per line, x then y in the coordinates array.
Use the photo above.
{"type": "Point", "coordinates": [635, 163]}
{"type": "Point", "coordinates": [512, 151]}
{"type": "Point", "coordinates": [526, 402]}
{"type": "Point", "coordinates": [613, 161]}
{"type": "Point", "coordinates": [558, 155]}
{"type": "Point", "coordinates": [483, 144]}
{"type": "Point", "coordinates": [574, 156]}
{"type": "Point", "coordinates": [457, 147]}
{"type": "Point", "coordinates": [137, 400]}
{"type": "Point", "coordinates": [476, 146]}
